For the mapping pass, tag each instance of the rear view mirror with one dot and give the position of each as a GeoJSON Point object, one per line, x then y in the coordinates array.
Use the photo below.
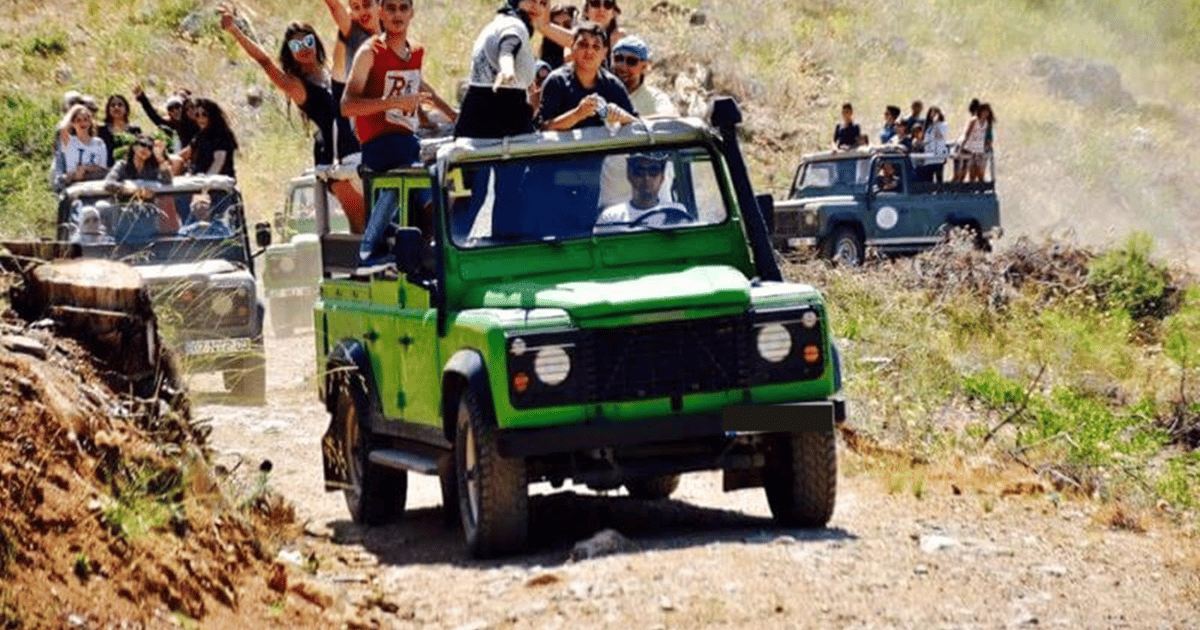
{"type": "Point", "coordinates": [408, 247]}
{"type": "Point", "coordinates": [262, 234]}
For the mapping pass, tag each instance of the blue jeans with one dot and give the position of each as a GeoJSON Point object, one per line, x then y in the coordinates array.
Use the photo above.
{"type": "Point", "coordinates": [389, 151]}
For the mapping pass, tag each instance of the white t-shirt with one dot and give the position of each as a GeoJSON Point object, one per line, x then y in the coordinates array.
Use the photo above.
{"type": "Point", "coordinates": [625, 213]}
{"type": "Point", "coordinates": [935, 140]}
{"type": "Point", "coordinates": [77, 153]}
{"type": "Point", "coordinates": [649, 101]}
{"type": "Point", "coordinates": [485, 56]}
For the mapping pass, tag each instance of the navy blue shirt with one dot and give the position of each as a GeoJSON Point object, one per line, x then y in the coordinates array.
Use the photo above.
{"type": "Point", "coordinates": [562, 92]}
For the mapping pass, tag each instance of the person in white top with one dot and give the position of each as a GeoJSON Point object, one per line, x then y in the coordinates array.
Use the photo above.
{"type": "Point", "coordinates": [81, 154]}
{"type": "Point", "coordinates": [646, 175]}
{"type": "Point", "coordinates": [936, 132]}
{"type": "Point", "coordinates": [975, 144]}
{"type": "Point", "coordinates": [631, 59]}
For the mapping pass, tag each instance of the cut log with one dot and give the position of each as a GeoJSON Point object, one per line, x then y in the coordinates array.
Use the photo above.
{"type": "Point", "coordinates": [89, 283]}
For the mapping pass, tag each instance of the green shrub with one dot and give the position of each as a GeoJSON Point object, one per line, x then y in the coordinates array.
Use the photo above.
{"type": "Point", "coordinates": [1125, 279]}
{"type": "Point", "coordinates": [46, 45]}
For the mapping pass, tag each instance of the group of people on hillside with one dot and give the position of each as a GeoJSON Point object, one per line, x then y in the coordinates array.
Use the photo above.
{"type": "Point", "coordinates": [927, 134]}
{"type": "Point", "coordinates": [370, 105]}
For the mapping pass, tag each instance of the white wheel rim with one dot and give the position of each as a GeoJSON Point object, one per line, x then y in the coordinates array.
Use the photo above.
{"type": "Point", "coordinates": [470, 466]}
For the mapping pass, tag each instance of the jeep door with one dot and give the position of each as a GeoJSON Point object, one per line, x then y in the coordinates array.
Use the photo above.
{"type": "Point", "coordinates": [899, 219]}
{"type": "Point", "coordinates": [411, 335]}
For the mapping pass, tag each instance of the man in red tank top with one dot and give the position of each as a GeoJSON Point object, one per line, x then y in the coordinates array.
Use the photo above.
{"type": "Point", "coordinates": [383, 93]}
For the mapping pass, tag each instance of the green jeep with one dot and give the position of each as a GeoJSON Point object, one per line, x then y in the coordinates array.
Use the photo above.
{"type": "Point", "coordinates": [534, 329]}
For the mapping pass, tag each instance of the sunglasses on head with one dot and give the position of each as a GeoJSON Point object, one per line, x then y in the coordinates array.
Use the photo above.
{"type": "Point", "coordinates": [629, 60]}
{"type": "Point", "coordinates": [607, 4]}
{"type": "Point", "coordinates": [308, 41]}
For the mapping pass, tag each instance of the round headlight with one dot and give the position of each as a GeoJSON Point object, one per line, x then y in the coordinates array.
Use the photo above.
{"type": "Point", "coordinates": [552, 365]}
{"type": "Point", "coordinates": [774, 342]}
{"type": "Point", "coordinates": [222, 304]}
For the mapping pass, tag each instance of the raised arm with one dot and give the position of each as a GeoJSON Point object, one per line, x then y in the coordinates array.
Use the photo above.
{"type": "Point", "coordinates": [288, 84]}
{"type": "Point", "coordinates": [353, 101]}
{"type": "Point", "coordinates": [340, 16]}
{"type": "Point", "coordinates": [147, 107]}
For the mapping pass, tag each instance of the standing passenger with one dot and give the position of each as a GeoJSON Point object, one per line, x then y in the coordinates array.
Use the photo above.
{"type": "Point", "coordinates": [846, 134]}
{"type": "Point", "coordinates": [355, 27]}
{"type": "Point", "coordinates": [889, 124]}
{"type": "Point", "coordinates": [502, 70]}
{"type": "Point", "coordinates": [81, 154]}
{"type": "Point", "coordinates": [302, 76]}
{"type": "Point", "coordinates": [631, 60]}
{"type": "Point", "coordinates": [383, 93]}
{"type": "Point", "coordinates": [116, 132]}
{"type": "Point", "coordinates": [561, 15]}
{"type": "Point", "coordinates": [211, 151]}
{"type": "Point", "coordinates": [582, 93]}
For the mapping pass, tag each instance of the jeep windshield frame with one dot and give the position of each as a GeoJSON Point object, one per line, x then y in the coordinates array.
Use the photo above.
{"type": "Point", "coordinates": [139, 231]}
{"type": "Point", "coordinates": [580, 195]}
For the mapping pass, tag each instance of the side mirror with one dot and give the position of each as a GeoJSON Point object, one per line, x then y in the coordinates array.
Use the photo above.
{"type": "Point", "coordinates": [766, 206]}
{"type": "Point", "coordinates": [407, 249]}
{"type": "Point", "coordinates": [262, 234]}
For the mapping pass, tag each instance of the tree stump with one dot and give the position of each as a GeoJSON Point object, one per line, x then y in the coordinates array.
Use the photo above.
{"type": "Point", "coordinates": [104, 305]}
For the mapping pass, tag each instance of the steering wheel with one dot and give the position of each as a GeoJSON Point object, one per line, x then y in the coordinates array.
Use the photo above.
{"type": "Point", "coordinates": [671, 215]}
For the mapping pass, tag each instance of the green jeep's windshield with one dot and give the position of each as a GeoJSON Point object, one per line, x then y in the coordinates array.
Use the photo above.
{"type": "Point", "coordinates": [558, 197]}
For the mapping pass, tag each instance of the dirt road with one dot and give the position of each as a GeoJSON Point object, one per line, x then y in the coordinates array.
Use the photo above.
{"type": "Point", "coordinates": [905, 549]}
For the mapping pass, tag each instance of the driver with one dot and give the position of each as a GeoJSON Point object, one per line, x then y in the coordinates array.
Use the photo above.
{"type": "Point", "coordinates": [202, 224]}
{"type": "Point", "coordinates": [645, 172]}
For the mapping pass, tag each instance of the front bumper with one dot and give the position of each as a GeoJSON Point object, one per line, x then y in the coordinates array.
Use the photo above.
{"type": "Point", "coordinates": [821, 415]}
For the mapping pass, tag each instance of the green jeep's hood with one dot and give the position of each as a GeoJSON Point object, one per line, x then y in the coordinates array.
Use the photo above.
{"type": "Point", "coordinates": [713, 286]}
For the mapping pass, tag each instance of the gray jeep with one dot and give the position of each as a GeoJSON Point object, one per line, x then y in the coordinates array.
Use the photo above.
{"type": "Point", "coordinates": [843, 202]}
{"type": "Point", "coordinates": [200, 273]}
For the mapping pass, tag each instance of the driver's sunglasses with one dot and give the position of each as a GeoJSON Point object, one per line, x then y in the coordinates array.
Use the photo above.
{"type": "Point", "coordinates": [628, 60]}
{"type": "Point", "coordinates": [645, 170]}
{"type": "Point", "coordinates": [607, 4]}
{"type": "Point", "coordinates": [308, 41]}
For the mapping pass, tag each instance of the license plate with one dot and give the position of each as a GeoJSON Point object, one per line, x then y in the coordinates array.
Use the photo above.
{"type": "Point", "coordinates": [215, 346]}
{"type": "Point", "coordinates": [291, 292]}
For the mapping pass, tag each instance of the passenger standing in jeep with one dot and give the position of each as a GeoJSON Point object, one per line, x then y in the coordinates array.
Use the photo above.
{"type": "Point", "coordinates": [582, 93]}
{"type": "Point", "coordinates": [383, 94]}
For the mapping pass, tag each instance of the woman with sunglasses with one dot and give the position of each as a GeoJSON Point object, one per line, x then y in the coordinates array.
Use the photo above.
{"type": "Point", "coordinates": [502, 70]}
{"type": "Point", "coordinates": [116, 132]}
{"type": "Point", "coordinates": [147, 161]}
{"type": "Point", "coordinates": [303, 77]}
{"type": "Point", "coordinates": [211, 151]}
{"type": "Point", "coordinates": [80, 154]}
{"type": "Point", "coordinates": [604, 13]}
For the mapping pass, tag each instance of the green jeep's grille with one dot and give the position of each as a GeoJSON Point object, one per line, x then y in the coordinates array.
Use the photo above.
{"type": "Point", "coordinates": [665, 360]}
{"type": "Point", "coordinates": [669, 359]}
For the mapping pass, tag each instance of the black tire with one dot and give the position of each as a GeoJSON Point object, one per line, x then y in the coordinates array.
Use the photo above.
{"type": "Point", "coordinates": [493, 496]}
{"type": "Point", "coordinates": [376, 494]}
{"type": "Point", "coordinates": [248, 384]}
{"type": "Point", "coordinates": [801, 478]}
{"type": "Point", "coordinates": [844, 246]}
{"type": "Point", "coordinates": [653, 488]}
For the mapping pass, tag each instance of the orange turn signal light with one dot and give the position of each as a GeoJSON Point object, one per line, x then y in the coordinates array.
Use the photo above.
{"type": "Point", "coordinates": [811, 354]}
{"type": "Point", "coordinates": [521, 382]}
